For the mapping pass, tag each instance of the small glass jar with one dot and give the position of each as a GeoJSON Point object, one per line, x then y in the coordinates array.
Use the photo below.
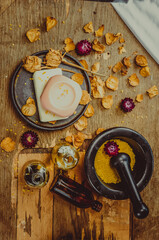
{"type": "Point", "coordinates": [65, 156]}
{"type": "Point", "coordinates": [35, 174]}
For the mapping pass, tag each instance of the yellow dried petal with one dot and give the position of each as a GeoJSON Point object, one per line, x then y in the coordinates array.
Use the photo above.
{"type": "Point", "coordinates": [7, 144]}
{"type": "Point", "coordinates": [95, 67]}
{"type": "Point", "coordinates": [52, 122]}
{"type": "Point", "coordinates": [70, 46]}
{"type": "Point", "coordinates": [85, 99]}
{"type": "Point", "coordinates": [30, 101]}
{"type": "Point", "coordinates": [121, 49]}
{"type": "Point", "coordinates": [118, 66]}
{"type": "Point", "coordinates": [145, 71]}
{"type": "Point", "coordinates": [111, 38]}
{"type": "Point", "coordinates": [141, 61]}
{"type": "Point", "coordinates": [50, 23]}
{"type": "Point", "coordinates": [153, 91]}
{"type": "Point", "coordinates": [139, 98]}
{"type": "Point", "coordinates": [88, 28]}
{"type": "Point", "coordinates": [33, 34]}
{"type": "Point", "coordinates": [98, 47]}
{"type": "Point", "coordinates": [133, 80]}
{"type": "Point", "coordinates": [89, 111]}
{"type": "Point", "coordinates": [112, 83]}
{"type": "Point", "coordinates": [99, 32]}
{"type": "Point", "coordinates": [84, 63]}
{"type": "Point", "coordinates": [28, 109]}
{"type": "Point", "coordinates": [122, 40]}
{"type": "Point", "coordinates": [81, 124]}
{"type": "Point", "coordinates": [78, 78]}
{"type": "Point", "coordinates": [126, 62]}
{"type": "Point", "coordinates": [99, 130]}
{"type": "Point", "coordinates": [107, 101]}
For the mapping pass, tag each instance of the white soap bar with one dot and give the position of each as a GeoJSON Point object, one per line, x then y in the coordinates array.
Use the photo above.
{"type": "Point", "coordinates": [40, 78]}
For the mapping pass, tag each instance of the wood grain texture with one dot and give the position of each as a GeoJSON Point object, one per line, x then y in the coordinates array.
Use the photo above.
{"type": "Point", "coordinates": [42, 214]}
{"type": "Point", "coordinates": [24, 15]}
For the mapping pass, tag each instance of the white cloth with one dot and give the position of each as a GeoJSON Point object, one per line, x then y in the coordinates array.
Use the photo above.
{"type": "Point", "coordinates": [142, 18]}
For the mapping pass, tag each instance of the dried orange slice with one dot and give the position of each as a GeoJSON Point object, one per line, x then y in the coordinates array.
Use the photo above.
{"type": "Point", "coordinates": [145, 71]}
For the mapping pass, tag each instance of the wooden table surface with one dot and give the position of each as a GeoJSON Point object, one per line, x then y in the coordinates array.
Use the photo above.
{"type": "Point", "coordinates": [16, 17]}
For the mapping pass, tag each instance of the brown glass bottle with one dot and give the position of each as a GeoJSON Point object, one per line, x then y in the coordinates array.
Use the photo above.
{"type": "Point", "coordinates": [75, 193]}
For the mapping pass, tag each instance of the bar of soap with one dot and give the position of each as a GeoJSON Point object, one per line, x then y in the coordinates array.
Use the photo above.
{"type": "Point", "coordinates": [61, 96]}
{"type": "Point", "coordinates": [40, 78]}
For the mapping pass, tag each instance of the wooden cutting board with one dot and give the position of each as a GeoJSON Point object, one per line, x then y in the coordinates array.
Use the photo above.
{"type": "Point", "coordinates": [42, 215]}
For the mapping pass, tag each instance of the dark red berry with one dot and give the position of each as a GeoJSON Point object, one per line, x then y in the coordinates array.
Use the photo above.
{"type": "Point", "coordinates": [111, 148]}
{"type": "Point", "coordinates": [83, 48]}
{"type": "Point", "coordinates": [127, 104]}
{"type": "Point", "coordinates": [29, 139]}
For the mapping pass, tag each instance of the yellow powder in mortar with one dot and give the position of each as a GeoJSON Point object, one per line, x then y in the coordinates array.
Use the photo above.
{"type": "Point", "coordinates": [102, 162]}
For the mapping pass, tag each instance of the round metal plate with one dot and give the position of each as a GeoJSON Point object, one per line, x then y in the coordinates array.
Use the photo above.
{"type": "Point", "coordinates": [22, 88]}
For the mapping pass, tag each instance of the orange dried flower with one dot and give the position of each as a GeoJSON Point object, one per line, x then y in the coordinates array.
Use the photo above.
{"type": "Point", "coordinates": [85, 99]}
{"type": "Point", "coordinates": [78, 78]}
{"type": "Point", "coordinates": [99, 32]}
{"type": "Point", "coordinates": [81, 124]}
{"type": "Point", "coordinates": [84, 63]}
{"type": "Point", "coordinates": [118, 66]}
{"type": "Point", "coordinates": [53, 58]}
{"type": "Point", "coordinates": [145, 71]}
{"type": "Point", "coordinates": [139, 98]}
{"type": "Point", "coordinates": [141, 61]}
{"type": "Point", "coordinates": [107, 101]}
{"type": "Point", "coordinates": [89, 111]}
{"type": "Point", "coordinates": [50, 23]}
{"type": "Point", "coordinates": [70, 46]}
{"type": "Point", "coordinates": [95, 67]}
{"type": "Point", "coordinates": [133, 80]}
{"type": "Point", "coordinates": [88, 28]}
{"type": "Point", "coordinates": [98, 47]}
{"type": "Point", "coordinates": [99, 130]}
{"type": "Point", "coordinates": [33, 34]}
{"type": "Point", "coordinates": [7, 144]}
{"type": "Point", "coordinates": [32, 63]}
{"type": "Point", "coordinates": [111, 38]}
{"type": "Point", "coordinates": [112, 83]}
{"type": "Point", "coordinates": [153, 91]}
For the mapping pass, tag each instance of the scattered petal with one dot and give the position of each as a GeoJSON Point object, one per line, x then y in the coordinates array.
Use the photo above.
{"type": "Point", "coordinates": [112, 83]}
{"type": "Point", "coordinates": [145, 71]}
{"type": "Point", "coordinates": [118, 66]}
{"type": "Point", "coordinates": [81, 124]}
{"type": "Point", "coordinates": [139, 98]}
{"type": "Point", "coordinates": [133, 80]}
{"type": "Point", "coordinates": [78, 78]}
{"type": "Point", "coordinates": [70, 46]}
{"type": "Point", "coordinates": [99, 32]}
{"type": "Point", "coordinates": [88, 28]}
{"type": "Point", "coordinates": [33, 34]}
{"type": "Point", "coordinates": [98, 47]}
{"type": "Point", "coordinates": [153, 91]}
{"type": "Point", "coordinates": [89, 111]}
{"type": "Point", "coordinates": [7, 144]}
{"type": "Point", "coordinates": [50, 23]}
{"type": "Point", "coordinates": [141, 61]}
{"type": "Point", "coordinates": [85, 99]}
{"type": "Point", "coordinates": [111, 38]}
{"type": "Point", "coordinates": [95, 67]}
{"type": "Point", "coordinates": [107, 101]}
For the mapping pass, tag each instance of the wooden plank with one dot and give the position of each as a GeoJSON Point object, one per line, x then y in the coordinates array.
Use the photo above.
{"type": "Point", "coordinates": [42, 213]}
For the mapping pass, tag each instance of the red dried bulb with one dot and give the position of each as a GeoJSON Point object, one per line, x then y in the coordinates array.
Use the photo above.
{"type": "Point", "coordinates": [111, 148]}
{"type": "Point", "coordinates": [29, 139]}
{"type": "Point", "coordinates": [127, 104]}
{"type": "Point", "coordinates": [83, 48]}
